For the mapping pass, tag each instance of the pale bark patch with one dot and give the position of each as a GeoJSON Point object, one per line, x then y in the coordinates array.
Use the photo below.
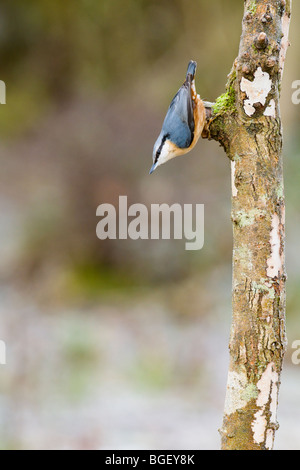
{"type": "Point", "coordinates": [271, 109]}
{"type": "Point", "coordinates": [259, 426]}
{"type": "Point", "coordinates": [247, 218]}
{"type": "Point", "coordinates": [270, 439]}
{"type": "Point", "coordinates": [274, 263]}
{"type": "Point", "coordinates": [239, 392]}
{"type": "Point", "coordinates": [256, 91]}
{"type": "Point", "coordinates": [233, 186]}
{"type": "Point", "coordinates": [285, 22]}
{"type": "Point", "coordinates": [267, 394]}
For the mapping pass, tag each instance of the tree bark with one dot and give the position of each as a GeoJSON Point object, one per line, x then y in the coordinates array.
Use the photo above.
{"type": "Point", "coordinates": [246, 122]}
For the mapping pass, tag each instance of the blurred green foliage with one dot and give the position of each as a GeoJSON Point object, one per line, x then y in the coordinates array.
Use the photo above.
{"type": "Point", "coordinates": [52, 49]}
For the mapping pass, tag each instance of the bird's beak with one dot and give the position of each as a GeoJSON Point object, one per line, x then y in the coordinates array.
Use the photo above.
{"type": "Point", "coordinates": [153, 168]}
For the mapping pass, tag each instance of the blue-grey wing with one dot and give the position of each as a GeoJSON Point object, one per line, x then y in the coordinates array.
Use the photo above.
{"type": "Point", "coordinates": [179, 121]}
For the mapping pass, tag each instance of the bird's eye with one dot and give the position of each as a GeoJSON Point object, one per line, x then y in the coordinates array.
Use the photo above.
{"type": "Point", "coordinates": [158, 152]}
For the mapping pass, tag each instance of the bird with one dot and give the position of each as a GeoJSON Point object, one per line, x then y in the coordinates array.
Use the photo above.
{"type": "Point", "coordinates": [183, 124]}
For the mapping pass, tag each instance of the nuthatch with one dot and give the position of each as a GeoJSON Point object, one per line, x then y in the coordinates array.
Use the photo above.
{"type": "Point", "coordinates": [183, 123]}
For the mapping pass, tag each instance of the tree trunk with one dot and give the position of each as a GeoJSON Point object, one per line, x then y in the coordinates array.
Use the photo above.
{"type": "Point", "coordinates": [246, 121]}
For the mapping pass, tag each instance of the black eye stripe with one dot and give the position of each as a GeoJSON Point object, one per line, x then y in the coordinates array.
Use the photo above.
{"type": "Point", "coordinates": [158, 152]}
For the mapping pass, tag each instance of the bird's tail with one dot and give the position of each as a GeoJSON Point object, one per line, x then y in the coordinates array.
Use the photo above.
{"type": "Point", "coordinates": [191, 70]}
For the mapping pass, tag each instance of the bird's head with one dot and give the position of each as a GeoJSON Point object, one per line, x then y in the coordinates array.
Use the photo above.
{"type": "Point", "coordinates": [163, 151]}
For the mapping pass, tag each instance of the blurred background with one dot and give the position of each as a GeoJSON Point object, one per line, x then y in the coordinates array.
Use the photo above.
{"type": "Point", "coordinates": [120, 344]}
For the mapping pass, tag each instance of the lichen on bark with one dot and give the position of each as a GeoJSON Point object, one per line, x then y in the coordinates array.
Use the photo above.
{"type": "Point", "coordinates": [246, 122]}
